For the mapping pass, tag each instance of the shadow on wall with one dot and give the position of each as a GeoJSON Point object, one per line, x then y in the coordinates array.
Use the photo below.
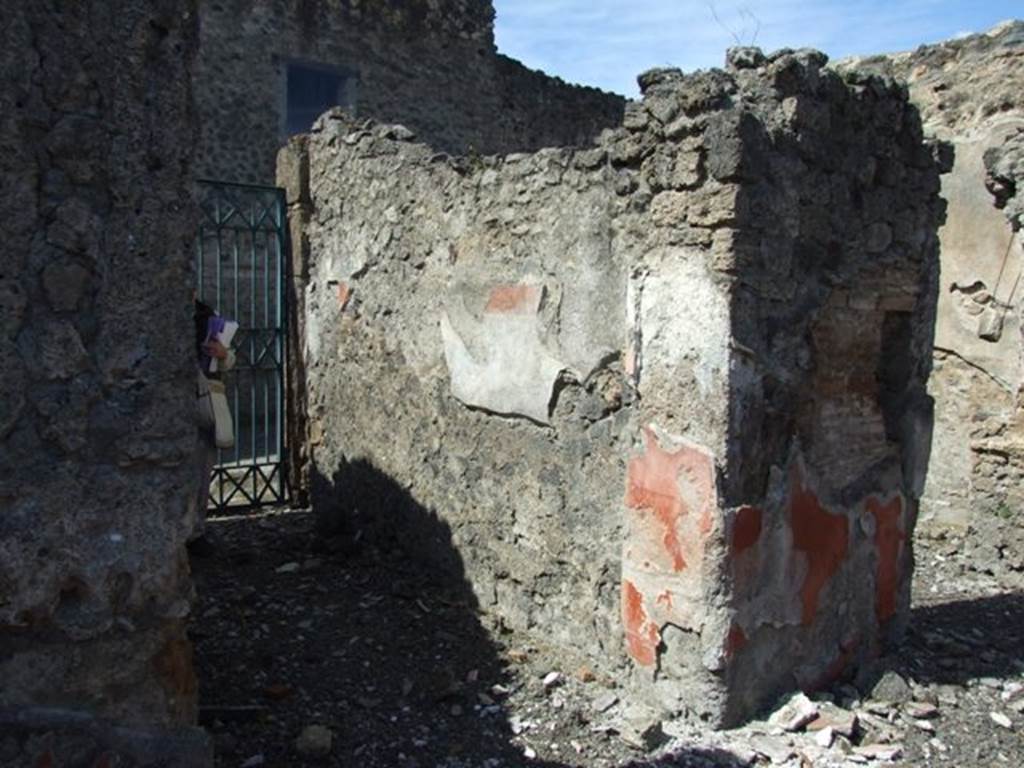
{"type": "Point", "coordinates": [439, 660]}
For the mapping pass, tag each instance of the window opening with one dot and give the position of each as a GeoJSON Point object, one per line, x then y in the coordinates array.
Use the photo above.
{"type": "Point", "coordinates": [311, 91]}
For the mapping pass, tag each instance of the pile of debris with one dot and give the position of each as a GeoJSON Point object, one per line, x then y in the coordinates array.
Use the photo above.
{"type": "Point", "coordinates": [311, 654]}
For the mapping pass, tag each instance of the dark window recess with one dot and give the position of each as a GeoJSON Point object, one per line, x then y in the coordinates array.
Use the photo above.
{"type": "Point", "coordinates": [311, 92]}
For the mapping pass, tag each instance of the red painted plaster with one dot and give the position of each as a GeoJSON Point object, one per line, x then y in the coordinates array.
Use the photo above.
{"type": "Point", "coordinates": [889, 538]}
{"type": "Point", "coordinates": [822, 536]}
{"type": "Point", "coordinates": [641, 634]}
{"type": "Point", "coordinates": [513, 300]}
{"type": "Point", "coordinates": [665, 598]}
{"type": "Point", "coordinates": [344, 294]}
{"type": "Point", "coordinates": [747, 529]}
{"type": "Point", "coordinates": [653, 483]}
{"type": "Point", "coordinates": [735, 641]}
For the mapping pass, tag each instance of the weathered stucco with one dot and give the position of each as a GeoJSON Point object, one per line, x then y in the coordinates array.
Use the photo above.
{"type": "Point", "coordinates": [665, 396]}
{"type": "Point", "coordinates": [969, 93]}
{"type": "Point", "coordinates": [431, 66]}
{"type": "Point", "coordinates": [96, 413]}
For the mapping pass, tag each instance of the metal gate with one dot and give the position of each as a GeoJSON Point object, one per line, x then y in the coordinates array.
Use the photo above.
{"type": "Point", "coordinates": [241, 256]}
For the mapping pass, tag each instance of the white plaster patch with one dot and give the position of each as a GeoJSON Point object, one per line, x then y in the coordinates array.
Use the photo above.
{"type": "Point", "coordinates": [684, 318]}
{"type": "Point", "coordinates": [497, 362]}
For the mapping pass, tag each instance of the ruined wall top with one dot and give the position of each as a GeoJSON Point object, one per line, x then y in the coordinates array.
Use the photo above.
{"type": "Point", "coordinates": [458, 19]}
{"type": "Point", "coordinates": [961, 83]}
{"type": "Point", "coordinates": [267, 68]}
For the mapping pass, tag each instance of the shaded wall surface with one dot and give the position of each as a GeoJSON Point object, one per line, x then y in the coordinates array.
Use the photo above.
{"type": "Point", "coordinates": [969, 93]}
{"type": "Point", "coordinates": [430, 66]}
{"type": "Point", "coordinates": [96, 412]}
{"type": "Point", "coordinates": [667, 392]}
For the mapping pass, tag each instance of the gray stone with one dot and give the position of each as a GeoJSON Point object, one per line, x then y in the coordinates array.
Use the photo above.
{"type": "Point", "coordinates": [658, 76]}
{"type": "Point", "coordinates": [892, 688]}
{"type": "Point", "coordinates": [777, 750]}
{"type": "Point", "coordinates": [879, 751]}
{"type": "Point", "coordinates": [879, 237]}
{"type": "Point", "coordinates": [12, 307]}
{"type": "Point", "coordinates": [1001, 720]}
{"type": "Point", "coordinates": [744, 57]}
{"type": "Point", "coordinates": [315, 741]}
{"type": "Point", "coordinates": [641, 728]}
{"type": "Point", "coordinates": [795, 713]}
{"type": "Point", "coordinates": [65, 283]}
{"type": "Point", "coordinates": [839, 720]}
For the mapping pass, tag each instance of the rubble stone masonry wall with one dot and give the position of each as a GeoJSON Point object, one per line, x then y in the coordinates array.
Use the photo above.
{"type": "Point", "coordinates": [97, 426]}
{"type": "Point", "coordinates": [660, 400]}
{"type": "Point", "coordinates": [431, 66]}
{"type": "Point", "coordinates": [969, 92]}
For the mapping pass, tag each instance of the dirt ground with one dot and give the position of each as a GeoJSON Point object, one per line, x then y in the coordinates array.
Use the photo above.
{"type": "Point", "coordinates": [349, 656]}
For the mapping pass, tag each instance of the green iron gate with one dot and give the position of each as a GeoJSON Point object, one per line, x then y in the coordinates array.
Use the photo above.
{"type": "Point", "coordinates": [241, 257]}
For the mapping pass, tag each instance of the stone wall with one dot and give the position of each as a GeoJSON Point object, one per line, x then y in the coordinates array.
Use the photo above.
{"type": "Point", "coordinates": [430, 66]}
{"type": "Point", "coordinates": [97, 424]}
{"type": "Point", "coordinates": [969, 93]}
{"type": "Point", "coordinates": [662, 398]}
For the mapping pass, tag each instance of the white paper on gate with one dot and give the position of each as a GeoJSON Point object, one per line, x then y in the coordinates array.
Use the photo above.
{"type": "Point", "coordinates": [224, 337]}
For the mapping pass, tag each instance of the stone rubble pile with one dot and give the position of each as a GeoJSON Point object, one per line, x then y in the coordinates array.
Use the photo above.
{"type": "Point", "coordinates": [290, 654]}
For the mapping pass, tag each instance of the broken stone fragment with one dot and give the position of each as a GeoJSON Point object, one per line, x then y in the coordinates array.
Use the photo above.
{"type": "Point", "coordinates": [1012, 691]}
{"type": "Point", "coordinates": [636, 117]}
{"type": "Point", "coordinates": [399, 133]}
{"type": "Point", "coordinates": [797, 712]}
{"type": "Point", "coordinates": [62, 354]}
{"type": "Point", "coordinates": [879, 751]}
{"type": "Point", "coordinates": [744, 57]}
{"type": "Point", "coordinates": [824, 737]}
{"type": "Point", "coordinates": [777, 750]}
{"type": "Point", "coordinates": [641, 727]}
{"type": "Point", "coordinates": [836, 718]}
{"type": "Point", "coordinates": [315, 741]}
{"type": "Point", "coordinates": [552, 680]}
{"type": "Point", "coordinates": [892, 688]}
{"type": "Point", "coordinates": [921, 710]}
{"type": "Point", "coordinates": [990, 324]}
{"type": "Point", "coordinates": [643, 734]}
{"type": "Point", "coordinates": [658, 76]}
{"type": "Point", "coordinates": [1001, 720]}
{"type": "Point", "coordinates": [879, 237]}
{"type": "Point", "coordinates": [605, 702]}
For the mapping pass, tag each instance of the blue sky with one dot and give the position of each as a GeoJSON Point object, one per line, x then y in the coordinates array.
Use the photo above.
{"type": "Point", "coordinates": [606, 43]}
